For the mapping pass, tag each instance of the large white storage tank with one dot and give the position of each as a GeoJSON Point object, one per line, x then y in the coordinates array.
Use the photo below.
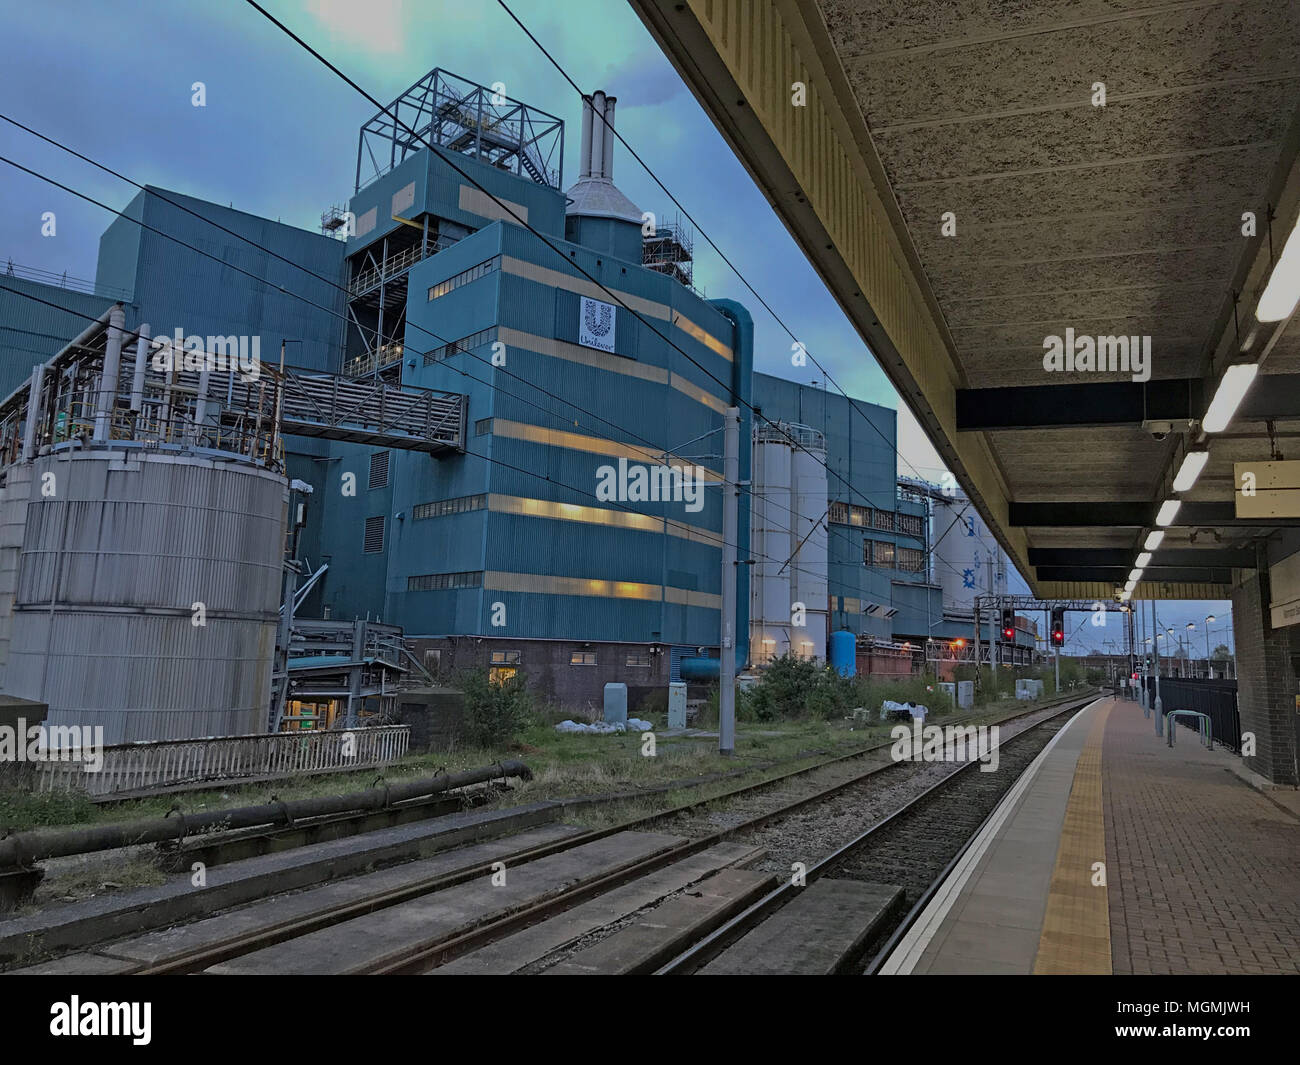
{"type": "Point", "coordinates": [788, 523]}
{"type": "Point", "coordinates": [968, 560]}
{"type": "Point", "coordinates": [124, 553]}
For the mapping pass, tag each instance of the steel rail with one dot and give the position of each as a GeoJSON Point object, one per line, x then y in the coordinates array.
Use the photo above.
{"type": "Point", "coordinates": [717, 941]}
{"type": "Point", "coordinates": [428, 954]}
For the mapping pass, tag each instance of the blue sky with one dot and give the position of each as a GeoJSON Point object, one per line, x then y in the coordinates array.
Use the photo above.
{"type": "Point", "coordinates": [278, 138]}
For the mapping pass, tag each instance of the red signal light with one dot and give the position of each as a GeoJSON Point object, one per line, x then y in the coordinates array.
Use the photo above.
{"type": "Point", "coordinates": [1008, 634]}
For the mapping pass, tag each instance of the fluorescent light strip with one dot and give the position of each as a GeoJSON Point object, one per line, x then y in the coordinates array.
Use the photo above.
{"type": "Point", "coordinates": [1233, 387]}
{"type": "Point", "coordinates": [1283, 289]}
{"type": "Point", "coordinates": [1168, 511]}
{"type": "Point", "coordinates": [1143, 560]}
{"type": "Point", "coordinates": [1193, 463]}
{"type": "Point", "coordinates": [1135, 575]}
{"type": "Point", "coordinates": [1153, 539]}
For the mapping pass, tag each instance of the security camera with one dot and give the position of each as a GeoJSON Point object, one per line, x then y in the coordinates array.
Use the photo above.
{"type": "Point", "coordinates": [1158, 430]}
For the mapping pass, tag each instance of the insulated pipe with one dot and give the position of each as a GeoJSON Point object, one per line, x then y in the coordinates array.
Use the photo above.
{"type": "Point", "coordinates": [201, 405]}
{"type": "Point", "coordinates": [20, 850]}
{"type": "Point", "coordinates": [607, 166]}
{"type": "Point", "coordinates": [597, 158]}
{"type": "Point", "coordinates": [141, 362]}
{"type": "Point", "coordinates": [107, 398]}
{"type": "Point", "coordinates": [33, 412]}
{"type": "Point", "coordinates": [584, 159]}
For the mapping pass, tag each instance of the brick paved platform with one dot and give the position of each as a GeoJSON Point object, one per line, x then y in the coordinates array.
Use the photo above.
{"type": "Point", "coordinates": [1206, 870]}
{"type": "Point", "coordinates": [1201, 872]}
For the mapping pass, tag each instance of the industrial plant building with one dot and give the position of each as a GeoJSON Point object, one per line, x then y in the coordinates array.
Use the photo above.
{"type": "Point", "coordinates": [460, 378]}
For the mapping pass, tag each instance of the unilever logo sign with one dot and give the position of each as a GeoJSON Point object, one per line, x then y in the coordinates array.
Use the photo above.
{"type": "Point", "coordinates": [596, 324]}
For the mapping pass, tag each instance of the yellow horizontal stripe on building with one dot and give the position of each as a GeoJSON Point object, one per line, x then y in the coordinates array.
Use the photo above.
{"type": "Point", "coordinates": [594, 445]}
{"type": "Point", "coordinates": [649, 308]}
{"type": "Point", "coordinates": [702, 335]}
{"type": "Point", "coordinates": [475, 201]}
{"type": "Point", "coordinates": [542, 584]}
{"type": "Point", "coordinates": [562, 349]}
{"type": "Point", "coordinates": [619, 519]}
{"type": "Point", "coordinates": [695, 392]}
{"type": "Point", "coordinates": [602, 360]}
{"type": "Point", "coordinates": [558, 279]}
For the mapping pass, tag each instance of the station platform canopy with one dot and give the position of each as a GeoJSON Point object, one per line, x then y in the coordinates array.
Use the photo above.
{"type": "Point", "coordinates": [1004, 198]}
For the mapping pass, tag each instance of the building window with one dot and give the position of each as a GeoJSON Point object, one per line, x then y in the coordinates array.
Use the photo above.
{"type": "Point", "coordinates": [433, 660]}
{"type": "Point", "coordinates": [506, 658]}
{"type": "Point", "coordinates": [850, 514]}
{"type": "Point", "coordinates": [483, 427]}
{"type": "Point", "coordinates": [438, 582]}
{"type": "Point", "coordinates": [443, 507]}
{"type": "Point", "coordinates": [463, 278]}
{"type": "Point", "coordinates": [379, 469]}
{"type": "Point", "coordinates": [881, 554]}
{"type": "Point", "coordinates": [640, 661]}
{"type": "Point", "coordinates": [911, 524]}
{"type": "Point", "coordinates": [456, 347]}
{"type": "Point", "coordinates": [911, 559]}
{"type": "Point", "coordinates": [374, 538]}
{"type": "Point", "coordinates": [884, 520]}
{"type": "Point", "coordinates": [582, 658]}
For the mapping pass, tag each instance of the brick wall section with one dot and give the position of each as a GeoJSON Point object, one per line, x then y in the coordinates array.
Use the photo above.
{"type": "Point", "coordinates": [577, 689]}
{"type": "Point", "coordinates": [1266, 686]}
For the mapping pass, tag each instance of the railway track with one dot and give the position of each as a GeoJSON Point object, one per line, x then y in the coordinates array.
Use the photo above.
{"type": "Point", "coordinates": [777, 798]}
{"type": "Point", "coordinates": [913, 849]}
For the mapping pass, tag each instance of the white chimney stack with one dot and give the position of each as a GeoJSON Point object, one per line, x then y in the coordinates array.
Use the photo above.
{"type": "Point", "coordinates": [598, 137]}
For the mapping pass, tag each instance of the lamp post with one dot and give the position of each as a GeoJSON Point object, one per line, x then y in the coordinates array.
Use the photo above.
{"type": "Point", "coordinates": [1208, 669]}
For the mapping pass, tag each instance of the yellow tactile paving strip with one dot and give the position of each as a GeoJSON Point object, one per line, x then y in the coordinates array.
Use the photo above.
{"type": "Point", "coordinates": [1076, 927]}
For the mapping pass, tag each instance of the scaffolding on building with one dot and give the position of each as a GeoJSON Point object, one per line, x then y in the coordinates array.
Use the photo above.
{"type": "Point", "coordinates": [670, 250]}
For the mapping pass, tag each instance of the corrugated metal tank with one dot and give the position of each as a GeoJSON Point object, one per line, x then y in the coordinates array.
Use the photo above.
{"type": "Point", "coordinates": [789, 491]}
{"type": "Point", "coordinates": [13, 516]}
{"type": "Point", "coordinates": [112, 565]}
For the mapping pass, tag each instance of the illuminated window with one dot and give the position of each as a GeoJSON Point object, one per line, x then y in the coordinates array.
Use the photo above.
{"type": "Point", "coordinates": [463, 278]}
{"type": "Point", "coordinates": [456, 347]}
{"type": "Point", "coordinates": [582, 658]}
{"type": "Point", "coordinates": [506, 658]}
{"type": "Point", "coordinates": [638, 660]}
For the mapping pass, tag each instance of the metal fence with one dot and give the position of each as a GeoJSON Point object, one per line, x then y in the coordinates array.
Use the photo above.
{"type": "Point", "coordinates": [160, 765]}
{"type": "Point", "coordinates": [1215, 698]}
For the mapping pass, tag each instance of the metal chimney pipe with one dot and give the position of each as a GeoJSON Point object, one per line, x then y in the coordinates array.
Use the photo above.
{"type": "Point", "coordinates": [142, 347]}
{"type": "Point", "coordinates": [597, 161]}
{"type": "Point", "coordinates": [607, 165]}
{"type": "Point", "coordinates": [584, 161]}
{"type": "Point", "coordinates": [106, 401]}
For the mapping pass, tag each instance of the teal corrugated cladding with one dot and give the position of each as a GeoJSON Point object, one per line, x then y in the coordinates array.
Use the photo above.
{"type": "Point", "coordinates": [204, 294]}
{"type": "Point", "coordinates": [31, 331]}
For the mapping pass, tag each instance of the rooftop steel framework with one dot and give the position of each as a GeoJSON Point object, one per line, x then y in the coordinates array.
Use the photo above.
{"type": "Point", "coordinates": [461, 116]}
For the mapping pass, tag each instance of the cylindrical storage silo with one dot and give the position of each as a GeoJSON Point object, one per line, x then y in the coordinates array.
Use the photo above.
{"type": "Point", "coordinates": [148, 592]}
{"type": "Point", "coordinates": [770, 545]}
{"type": "Point", "coordinates": [13, 518]}
{"type": "Point", "coordinates": [807, 568]}
{"type": "Point", "coordinates": [844, 653]}
{"type": "Point", "coordinates": [968, 561]}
